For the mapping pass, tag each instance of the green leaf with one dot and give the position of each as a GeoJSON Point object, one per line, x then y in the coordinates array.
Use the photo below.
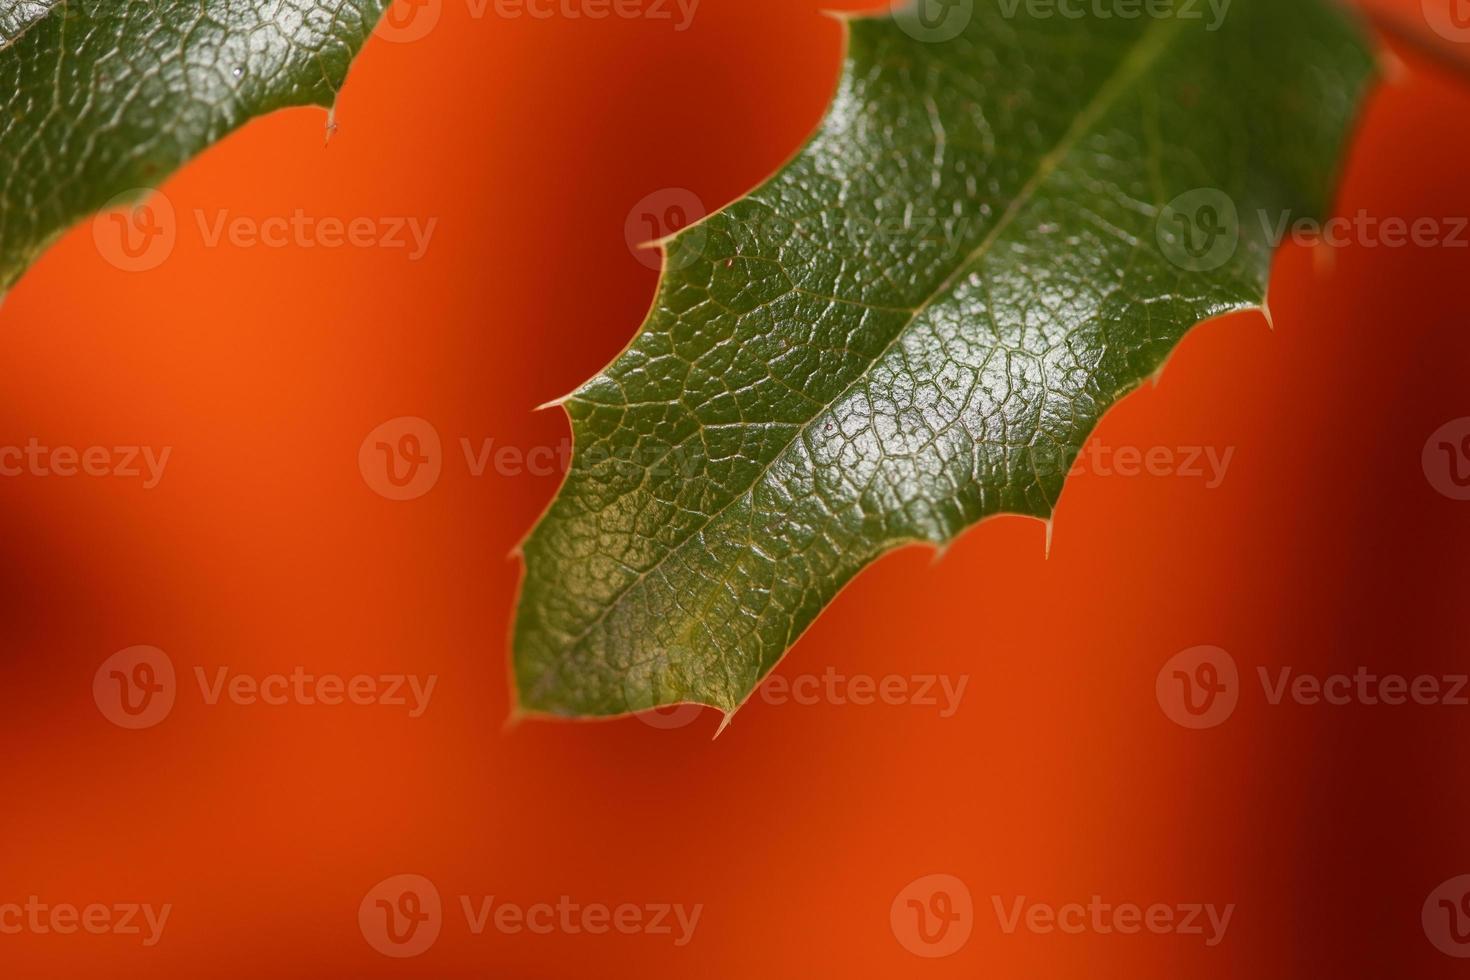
{"type": "Point", "coordinates": [105, 98]}
{"type": "Point", "coordinates": [17, 15]}
{"type": "Point", "coordinates": [917, 322]}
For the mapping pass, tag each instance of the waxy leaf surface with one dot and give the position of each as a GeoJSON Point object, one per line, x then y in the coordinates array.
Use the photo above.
{"type": "Point", "coordinates": [1003, 224]}
{"type": "Point", "coordinates": [106, 98]}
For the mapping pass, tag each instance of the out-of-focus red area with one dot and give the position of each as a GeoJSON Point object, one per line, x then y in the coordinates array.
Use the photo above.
{"type": "Point", "coordinates": [263, 548]}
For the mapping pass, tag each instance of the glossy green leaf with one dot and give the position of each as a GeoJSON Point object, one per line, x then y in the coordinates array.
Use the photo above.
{"type": "Point", "coordinates": [105, 98]}
{"type": "Point", "coordinates": [1006, 221]}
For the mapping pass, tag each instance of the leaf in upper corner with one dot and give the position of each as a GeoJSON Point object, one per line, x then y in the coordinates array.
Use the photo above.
{"type": "Point", "coordinates": [107, 97]}
{"type": "Point", "coordinates": [1005, 222]}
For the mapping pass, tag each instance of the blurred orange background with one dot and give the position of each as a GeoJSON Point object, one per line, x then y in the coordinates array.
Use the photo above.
{"type": "Point", "coordinates": [263, 548]}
